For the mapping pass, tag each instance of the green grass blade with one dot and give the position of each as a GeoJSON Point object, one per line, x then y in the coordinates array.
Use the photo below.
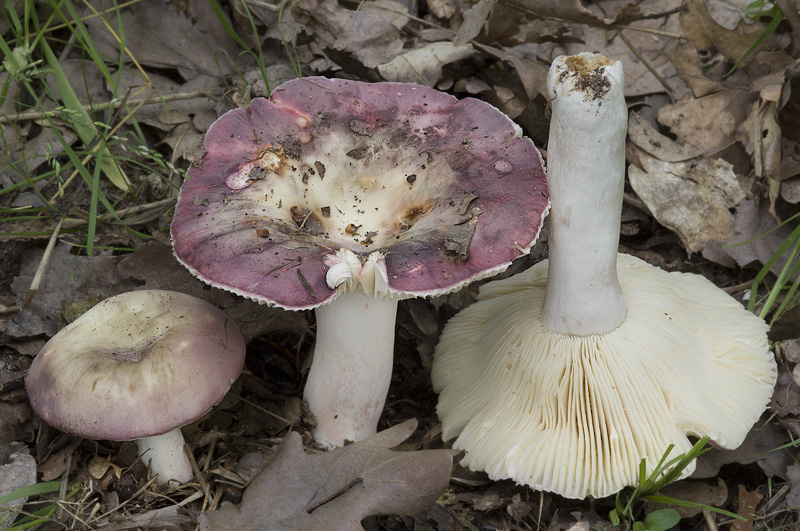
{"type": "Point", "coordinates": [669, 500]}
{"type": "Point", "coordinates": [777, 18]}
{"type": "Point", "coordinates": [95, 187]}
{"type": "Point", "coordinates": [80, 121]}
{"type": "Point", "coordinates": [31, 490]}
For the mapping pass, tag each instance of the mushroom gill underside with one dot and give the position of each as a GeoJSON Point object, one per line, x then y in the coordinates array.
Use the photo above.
{"type": "Point", "coordinates": [576, 415]}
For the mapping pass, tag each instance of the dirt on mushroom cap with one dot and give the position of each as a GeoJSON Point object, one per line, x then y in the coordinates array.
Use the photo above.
{"type": "Point", "coordinates": [328, 164]}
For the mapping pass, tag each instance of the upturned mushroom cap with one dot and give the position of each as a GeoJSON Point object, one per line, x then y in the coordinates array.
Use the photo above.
{"type": "Point", "coordinates": [576, 414]}
{"type": "Point", "coordinates": [136, 365]}
{"type": "Point", "coordinates": [396, 188]}
{"type": "Point", "coordinates": [567, 375]}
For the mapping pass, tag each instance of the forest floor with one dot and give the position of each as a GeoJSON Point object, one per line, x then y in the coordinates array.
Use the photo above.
{"type": "Point", "coordinates": [102, 110]}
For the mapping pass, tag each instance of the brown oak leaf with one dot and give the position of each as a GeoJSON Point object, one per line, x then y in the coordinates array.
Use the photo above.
{"type": "Point", "coordinates": [337, 489]}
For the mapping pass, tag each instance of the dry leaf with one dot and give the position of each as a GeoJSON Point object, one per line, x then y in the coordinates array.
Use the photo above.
{"type": "Point", "coordinates": [68, 277]}
{"type": "Point", "coordinates": [532, 74]}
{"type": "Point", "coordinates": [708, 122]}
{"type": "Point", "coordinates": [17, 470]}
{"type": "Point", "coordinates": [756, 237]}
{"type": "Point", "coordinates": [691, 198]}
{"type": "Point", "coordinates": [686, 60]}
{"type": "Point", "coordinates": [748, 502]}
{"type": "Point", "coordinates": [358, 40]}
{"type": "Point", "coordinates": [474, 20]}
{"type": "Point", "coordinates": [645, 136]}
{"type": "Point", "coordinates": [337, 489]}
{"type": "Point", "coordinates": [757, 447]}
{"type": "Point", "coordinates": [164, 36]}
{"type": "Point", "coordinates": [706, 33]}
{"type": "Point", "coordinates": [424, 65]}
{"type": "Point", "coordinates": [793, 474]}
{"type": "Point", "coordinates": [568, 10]}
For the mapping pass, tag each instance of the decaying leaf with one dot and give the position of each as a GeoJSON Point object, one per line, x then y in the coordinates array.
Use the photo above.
{"type": "Point", "coordinates": [17, 470]}
{"type": "Point", "coordinates": [691, 198]}
{"type": "Point", "coordinates": [359, 39]}
{"type": "Point", "coordinates": [424, 65]}
{"type": "Point", "coordinates": [336, 490]}
{"type": "Point", "coordinates": [645, 136]}
{"type": "Point", "coordinates": [701, 28]}
{"type": "Point", "coordinates": [686, 60]}
{"type": "Point", "coordinates": [758, 447]}
{"type": "Point", "coordinates": [708, 122]}
{"type": "Point", "coordinates": [188, 38]}
{"type": "Point", "coordinates": [68, 277]}
{"type": "Point", "coordinates": [474, 19]}
{"type": "Point", "coordinates": [756, 237]}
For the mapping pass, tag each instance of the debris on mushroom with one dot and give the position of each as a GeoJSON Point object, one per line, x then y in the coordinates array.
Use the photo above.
{"type": "Point", "coordinates": [564, 377]}
{"type": "Point", "coordinates": [350, 230]}
{"type": "Point", "coordinates": [138, 366]}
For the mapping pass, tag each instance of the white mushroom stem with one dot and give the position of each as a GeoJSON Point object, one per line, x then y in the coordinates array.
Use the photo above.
{"type": "Point", "coordinates": [352, 368]}
{"type": "Point", "coordinates": [586, 168]}
{"type": "Point", "coordinates": [166, 457]}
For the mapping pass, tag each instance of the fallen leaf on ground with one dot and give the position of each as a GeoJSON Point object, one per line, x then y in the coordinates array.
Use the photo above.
{"type": "Point", "coordinates": [748, 501]}
{"type": "Point", "coordinates": [190, 38]}
{"type": "Point", "coordinates": [68, 277]}
{"type": "Point", "coordinates": [360, 40]}
{"type": "Point", "coordinates": [337, 489]}
{"type": "Point", "coordinates": [691, 198]}
{"type": "Point", "coordinates": [424, 65]}
{"type": "Point", "coordinates": [17, 470]}
{"type": "Point", "coordinates": [646, 137]}
{"type": "Point", "coordinates": [708, 122]}
{"type": "Point", "coordinates": [793, 498]}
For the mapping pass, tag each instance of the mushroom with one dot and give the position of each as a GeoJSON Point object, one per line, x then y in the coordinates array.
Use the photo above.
{"type": "Point", "coordinates": [138, 366]}
{"type": "Point", "coordinates": [565, 376]}
{"type": "Point", "coordinates": [345, 197]}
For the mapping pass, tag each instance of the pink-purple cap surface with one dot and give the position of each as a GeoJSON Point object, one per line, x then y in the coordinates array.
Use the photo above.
{"type": "Point", "coordinates": [444, 190]}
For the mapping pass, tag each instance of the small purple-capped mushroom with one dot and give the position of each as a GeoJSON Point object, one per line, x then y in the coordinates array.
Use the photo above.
{"type": "Point", "coordinates": [346, 197]}
{"type": "Point", "coordinates": [138, 366]}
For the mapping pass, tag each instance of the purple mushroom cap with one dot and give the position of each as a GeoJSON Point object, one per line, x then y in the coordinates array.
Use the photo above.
{"type": "Point", "coordinates": [136, 365]}
{"type": "Point", "coordinates": [442, 190]}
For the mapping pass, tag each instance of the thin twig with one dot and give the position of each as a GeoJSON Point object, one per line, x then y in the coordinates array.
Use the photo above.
{"type": "Point", "coordinates": [649, 30]}
{"type": "Point", "coordinates": [72, 223]}
{"type": "Point", "coordinates": [646, 63]}
{"type": "Point", "coordinates": [710, 522]}
{"type": "Point", "coordinates": [33, 114]}
{"type": "Point", "coordinates": [268, 412]}
{"type": "Point", "coordinates": [126, 502]}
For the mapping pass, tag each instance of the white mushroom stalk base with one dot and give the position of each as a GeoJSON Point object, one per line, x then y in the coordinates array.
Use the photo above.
{"type": "Point", "coordinates": [352, 368]}
{"type": "Point", "coordinates": [576, 414]}
{"type": "Point", "coordinates": [166, 457]}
